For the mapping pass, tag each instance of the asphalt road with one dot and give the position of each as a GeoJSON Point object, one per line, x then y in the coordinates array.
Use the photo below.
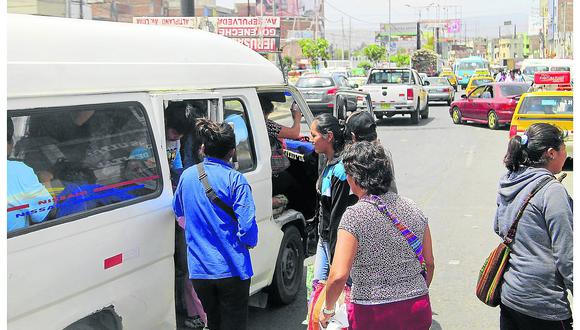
{"type": "Point", "coordinates": [451, 172]}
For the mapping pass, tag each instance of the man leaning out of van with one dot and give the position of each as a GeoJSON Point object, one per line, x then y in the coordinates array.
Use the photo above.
{"type": "Point", "coordinates": [219, 231]}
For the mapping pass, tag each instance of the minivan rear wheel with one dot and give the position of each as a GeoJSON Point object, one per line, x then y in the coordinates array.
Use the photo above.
{"type": "Point", "coordinates": [289, 268]}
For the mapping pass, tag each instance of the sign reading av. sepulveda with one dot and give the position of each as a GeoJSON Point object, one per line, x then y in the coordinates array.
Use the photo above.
{"type": "Point", "coordinates": [262, 34]}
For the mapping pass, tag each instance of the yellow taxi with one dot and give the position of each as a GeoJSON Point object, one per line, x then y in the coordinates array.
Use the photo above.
{"type": "Point", "coordinates": [482, 72]}
{"type": "Point", "coordinates": [554, 107]}
{"type": "Point", "coordinates": [450, 76]}
{"type": "Point", "coordinates": [476, 81]}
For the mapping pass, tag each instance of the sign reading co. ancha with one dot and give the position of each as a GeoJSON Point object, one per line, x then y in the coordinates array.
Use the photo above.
{"type": "Point", "coordinates": [262, 34]}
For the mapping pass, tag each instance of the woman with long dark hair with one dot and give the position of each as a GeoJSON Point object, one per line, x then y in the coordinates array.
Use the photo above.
{"type": "Point", "coordinates": [533, 293]}
{"type": "Point", "coordinates": [332, 189]}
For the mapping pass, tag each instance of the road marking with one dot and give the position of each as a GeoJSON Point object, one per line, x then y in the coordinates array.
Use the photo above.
{"type": "Point", "coordinates": [468, 215]}
{"type": "Point", "coordinates": [469, 159]}
{"type": "Point", "coordinates": [454, 262]}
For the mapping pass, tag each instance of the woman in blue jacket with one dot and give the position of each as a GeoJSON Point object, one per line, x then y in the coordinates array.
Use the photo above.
{"type": "Point", "coordinates": [218, 236]}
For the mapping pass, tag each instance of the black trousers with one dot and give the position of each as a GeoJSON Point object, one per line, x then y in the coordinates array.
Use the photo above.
{"type": "Point", "coordinates": [514, 320]}
{"type": "Point", "coordinates": [225, 301]}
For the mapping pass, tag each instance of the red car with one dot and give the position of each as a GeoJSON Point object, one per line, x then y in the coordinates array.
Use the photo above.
{"type": "Point", "coordinates": [492, 104]}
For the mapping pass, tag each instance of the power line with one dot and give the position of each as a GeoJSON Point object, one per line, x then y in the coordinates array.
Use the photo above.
{"type": "Point", "coordinates": [344, 13]}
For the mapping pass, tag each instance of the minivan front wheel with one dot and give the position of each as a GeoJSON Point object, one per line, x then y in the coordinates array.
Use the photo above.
{"type": "Point", "coordinates": [289, 268]}
{"type": "Point", "coordinates": [492, 120]}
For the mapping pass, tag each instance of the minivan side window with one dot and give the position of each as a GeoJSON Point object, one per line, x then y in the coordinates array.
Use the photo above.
{"type": "Point", "coordinates": [68, 162]}
{"type": "Point", "coordinates": [235, 114]}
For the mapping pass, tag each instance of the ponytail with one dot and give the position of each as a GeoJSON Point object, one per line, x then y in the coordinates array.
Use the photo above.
{"type": "Point", "coordinates": [530, 148]}
{"type": "Point", "coordinates": [516, 155]}
{"type": "Point", "coordinates": [328, 123]}
{"type": "Point", "coordinates": [218, 139]}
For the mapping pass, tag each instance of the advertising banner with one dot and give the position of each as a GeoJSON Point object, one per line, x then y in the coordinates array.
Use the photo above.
{"type": "Point", "coordinates": [262, 34]}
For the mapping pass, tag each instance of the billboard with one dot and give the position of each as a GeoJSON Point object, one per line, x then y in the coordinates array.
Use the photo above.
{"type": "Point", "coordinates": [453, 26]}
{"type": "Point", "coordinates": [261, 34]}
{"type": "Point", "coordinates": [287, 8]}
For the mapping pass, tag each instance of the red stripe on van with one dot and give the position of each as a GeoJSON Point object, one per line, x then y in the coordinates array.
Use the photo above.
{"type": "Point", "coordinates": [124, 183]}
{"type": "Point", "coordinates": [114, 261]}
{"type": "Point", "coordinates": [16, 208]}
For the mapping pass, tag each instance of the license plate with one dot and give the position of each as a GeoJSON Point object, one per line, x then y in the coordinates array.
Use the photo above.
{"type": "Point", "coordinates": [385, 106]}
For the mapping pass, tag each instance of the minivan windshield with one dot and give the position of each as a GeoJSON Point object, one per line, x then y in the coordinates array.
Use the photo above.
{"type": "Point", "coordinates": [530, 70]}
{"type": "Point", "coordinates": [314, 82]}
{"type": "Point", "coordinates": [390, 77]}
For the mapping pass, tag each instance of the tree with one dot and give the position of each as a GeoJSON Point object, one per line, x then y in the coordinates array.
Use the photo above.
{"type": "Point", "coordinates": [315, 51]}
{"type": "Point", "coordinates": [287, 61]}
{"type": "Point", "coordinates": [365, 65]}
{"type": "Point", "coordinates": [400, 59]}
{"type": "Point", "coordinates": [375, 53]}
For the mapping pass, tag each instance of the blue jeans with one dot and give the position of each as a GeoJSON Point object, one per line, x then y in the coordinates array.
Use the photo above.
{"type": "Point", "coordinates": [321, 261]}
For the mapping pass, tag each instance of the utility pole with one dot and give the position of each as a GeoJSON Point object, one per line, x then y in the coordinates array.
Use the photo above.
{"type": "Point", "coordinates": [274, 8]}
{"type": "Point", "coordinates": [389, 37]}
{"type": "Point", "coordinates": [316, 19]}
{"type": "Point", "coordinates": [248, 8]}
{"type": "Point", "coordinates": [342, 37]}
{"type": "Point", "coordinates": [349, 39]}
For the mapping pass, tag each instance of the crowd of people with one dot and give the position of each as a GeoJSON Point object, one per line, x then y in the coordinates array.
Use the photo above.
{"type": "Point", "coordinates": [372, 242]}
{"type": "Point", "coordinates": [371, 239]}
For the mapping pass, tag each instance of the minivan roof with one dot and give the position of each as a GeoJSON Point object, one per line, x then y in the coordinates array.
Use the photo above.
{"type": "Point", "coordinates": [48, 56]}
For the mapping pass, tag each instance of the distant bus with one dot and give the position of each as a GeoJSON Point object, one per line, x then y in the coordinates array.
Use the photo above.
{"type": "Point", "coordinates": [531, 66]}
{"type": "Point", "coordinates": [464, 68]}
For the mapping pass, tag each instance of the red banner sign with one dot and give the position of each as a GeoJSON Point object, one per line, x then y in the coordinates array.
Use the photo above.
{"type": "Point", "coordinates": [552, 78]}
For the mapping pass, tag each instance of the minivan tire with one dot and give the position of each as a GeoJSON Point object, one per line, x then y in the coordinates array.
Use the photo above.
{"type": "Point", "coordinates": [456, 115]}
{"type": "Point", "coordinates": [289, 268]}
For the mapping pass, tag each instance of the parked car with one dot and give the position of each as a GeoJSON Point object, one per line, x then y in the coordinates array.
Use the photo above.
{"type": "Point", "coordinates": [553, 107]}
{"type": "Point", "coordinates": [492, 104]}
{"type": "Point", "coordinates": [440, 89]}
{"type": "Point", "coordinates": [319, 90]}
{"type": "Point", "coordinates": [397, 91]}
{"type": "Point", "coordinates": [475, 81]}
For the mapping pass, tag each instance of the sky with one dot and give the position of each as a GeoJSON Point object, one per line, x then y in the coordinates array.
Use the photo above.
{"type": "Point", "coordinates": [481, 18]}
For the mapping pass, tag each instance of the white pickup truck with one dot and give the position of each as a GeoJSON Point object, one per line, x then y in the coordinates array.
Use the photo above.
{"type": "Point", "coordinates": [397, 91]}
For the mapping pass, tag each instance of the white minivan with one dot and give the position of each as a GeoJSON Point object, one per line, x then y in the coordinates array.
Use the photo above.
{"type": "Point", "coordinates": [87, 101]}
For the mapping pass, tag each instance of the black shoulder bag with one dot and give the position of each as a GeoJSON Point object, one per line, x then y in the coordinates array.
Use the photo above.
{"type": "Point", "coordinates": [213, 197]}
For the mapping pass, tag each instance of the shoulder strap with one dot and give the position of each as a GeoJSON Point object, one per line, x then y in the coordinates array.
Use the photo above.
{"type": "Point", "coordinates": [213, 197]}
{"type": "Point", "coordinates": [413, 241]}
{"type": "Point", "coordinates": [511, 234]}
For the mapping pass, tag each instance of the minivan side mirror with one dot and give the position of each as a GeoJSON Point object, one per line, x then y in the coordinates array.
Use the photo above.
{"type": "Point", "coordinates": [463, 96]}
{"type": "Point", "coordinates": [354, 85]}
{"type": "Point", "coordinates": [426, 83]}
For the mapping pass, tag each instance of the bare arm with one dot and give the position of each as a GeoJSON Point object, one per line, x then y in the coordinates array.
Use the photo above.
{"type": "Point", "coordinates": [294, 131]}
{"type": "Point", "coordinates": [428, 255]}
{"type": "Point", "coordinates": [344, 253]}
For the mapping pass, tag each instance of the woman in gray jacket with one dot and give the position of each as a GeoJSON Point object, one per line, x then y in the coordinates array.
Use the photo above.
{"type": "Point", "coordinates": [534, 291]}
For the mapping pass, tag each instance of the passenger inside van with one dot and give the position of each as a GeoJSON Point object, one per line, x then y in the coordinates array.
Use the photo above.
{"type": "Point", "coordinates": [291, 178]}
{"type": "Point", "coordinates": [24, 191]}
{"type": "Point", "coordinates": [83, 158]}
